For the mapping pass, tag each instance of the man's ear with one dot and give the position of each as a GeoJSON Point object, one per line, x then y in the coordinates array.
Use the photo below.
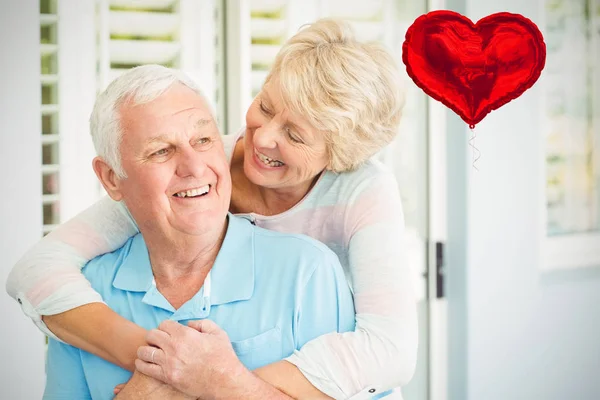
{"type": "Point", "coordinates": [108, 178]}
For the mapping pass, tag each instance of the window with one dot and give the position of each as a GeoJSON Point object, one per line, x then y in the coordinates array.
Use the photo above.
{"type": "Point", "coordinates": [572, 132]}
{"type": "Point", "coordinates": [180, 34]}
{"type": "Point", "coordinates": [84, 45]}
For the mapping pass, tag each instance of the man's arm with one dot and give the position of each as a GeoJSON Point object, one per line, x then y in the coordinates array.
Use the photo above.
{"type": "Point", "coordinates": [65, 378]}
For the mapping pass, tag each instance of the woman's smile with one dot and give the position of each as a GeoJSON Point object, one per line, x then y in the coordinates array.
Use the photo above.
{"type": "Point", "coordinates": [266, 162]}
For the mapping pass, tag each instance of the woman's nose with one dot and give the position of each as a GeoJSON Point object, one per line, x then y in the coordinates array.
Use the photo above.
{"type": "Point", "coordinates": [266, 136]}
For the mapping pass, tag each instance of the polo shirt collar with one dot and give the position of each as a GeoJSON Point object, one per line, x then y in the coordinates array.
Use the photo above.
{"type": "Point", "coordinates": [135, 273]}
{"type": "Point", "coordinates": [232, 274]}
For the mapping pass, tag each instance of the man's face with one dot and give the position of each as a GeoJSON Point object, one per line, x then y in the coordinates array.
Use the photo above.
{"type": "Point", "coordinates": [178, 176]}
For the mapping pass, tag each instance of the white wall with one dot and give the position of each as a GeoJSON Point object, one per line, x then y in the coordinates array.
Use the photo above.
{"type": "Point", "coordinates": [514, 332]}
{"type": "Point", "coordinates": [21, 345]}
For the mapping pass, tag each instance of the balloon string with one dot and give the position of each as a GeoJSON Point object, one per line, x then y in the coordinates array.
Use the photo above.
{"type": "Point", "coordinates": [476, 153]}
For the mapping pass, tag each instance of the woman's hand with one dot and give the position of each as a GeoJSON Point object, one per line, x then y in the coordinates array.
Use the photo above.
{"type": "Point", "coordinates": [197, 360]}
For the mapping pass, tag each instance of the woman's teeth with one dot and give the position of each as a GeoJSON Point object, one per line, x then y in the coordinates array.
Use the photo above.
{"type": "Point", "coordinates": [268, 161]}
{"type": "Point", "coordinates": [194, 192]}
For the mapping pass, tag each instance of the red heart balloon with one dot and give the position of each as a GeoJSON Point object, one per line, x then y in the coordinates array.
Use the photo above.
{"type": "Point", "coordinates": [473, 68]}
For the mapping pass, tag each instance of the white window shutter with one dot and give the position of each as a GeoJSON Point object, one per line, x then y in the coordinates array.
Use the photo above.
{"type": "Point", "coordinates": [174, 33]}
{"type": "Point", "coordinates": [49, 115]}
{"type": "Point", "coordinates": [219, 65]}
{"type": "Point", "coordinates": [269, 27]}
{"type": "Point", "coordinates": [182, 34]}
{"type": "Point", "coordinates": [197, 38]}
{"type": "Point", "coordinates": [256, 29]}
{"type": "Point", "coordinates": [368, 18]}
{"type": "Point", "coordinates": [238, 65]}
{"type": "Point", "coordinates": [136, 32]}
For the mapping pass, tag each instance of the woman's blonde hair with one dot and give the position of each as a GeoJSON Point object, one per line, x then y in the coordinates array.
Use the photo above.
{"type": "Point", "coordinates": [347, 89]}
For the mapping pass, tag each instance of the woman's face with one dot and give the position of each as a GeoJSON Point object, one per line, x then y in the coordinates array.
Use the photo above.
{"type": "Point", "coordinates": [281, 150]}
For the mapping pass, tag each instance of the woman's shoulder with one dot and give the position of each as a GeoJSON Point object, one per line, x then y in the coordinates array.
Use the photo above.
{"type": "Point", "coordinates": [373, 180]}
{"type": "Point", "coordinates": [229, 142]}
{"type": "Point", "coordinates": [372, 173]}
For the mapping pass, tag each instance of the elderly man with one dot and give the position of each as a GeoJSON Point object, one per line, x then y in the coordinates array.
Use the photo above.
{"type": "Point", "coordinates": [192, 262]}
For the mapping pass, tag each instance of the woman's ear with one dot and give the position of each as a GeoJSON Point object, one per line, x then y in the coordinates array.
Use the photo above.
{"type": "Point", "coordinates": [108, 178]}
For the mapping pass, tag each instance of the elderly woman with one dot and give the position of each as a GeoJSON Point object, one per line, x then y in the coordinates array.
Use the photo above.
{"type": "Point", "coordinates": [303, 165]}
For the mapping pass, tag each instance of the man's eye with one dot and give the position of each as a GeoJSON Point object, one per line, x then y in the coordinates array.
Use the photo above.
{"type": "Point", "coordinates": [161, 152]}
{"type": "Point", "coordinates": [204, 140]}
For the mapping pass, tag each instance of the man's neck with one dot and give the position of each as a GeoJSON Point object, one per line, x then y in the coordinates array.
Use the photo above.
{"type": "Point", "coordinates": [180, 263]}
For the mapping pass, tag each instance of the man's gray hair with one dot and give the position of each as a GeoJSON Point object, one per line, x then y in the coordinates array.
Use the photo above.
{"type": "Point", "coordinates": [138, 85]}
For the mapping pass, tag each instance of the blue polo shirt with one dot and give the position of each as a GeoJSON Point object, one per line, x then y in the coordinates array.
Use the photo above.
{"type": "Point", "coordinates": [271, 293]}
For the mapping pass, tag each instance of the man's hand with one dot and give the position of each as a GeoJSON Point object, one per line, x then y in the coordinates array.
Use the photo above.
{"type": "Point", "coordinates": [144, 387]}
{"type": "Point", "coordinates": [197, 360]}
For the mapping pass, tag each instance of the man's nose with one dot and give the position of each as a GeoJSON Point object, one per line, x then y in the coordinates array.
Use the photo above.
{"type": "Point", "coordinates": [190, 163]}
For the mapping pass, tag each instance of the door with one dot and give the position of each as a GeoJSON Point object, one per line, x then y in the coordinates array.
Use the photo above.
{"type": "Point", "coordinates": [417, 157]}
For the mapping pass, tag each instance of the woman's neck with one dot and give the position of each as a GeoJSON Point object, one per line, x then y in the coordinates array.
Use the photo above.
{"type": "Point", "coordinates": [278, 200]}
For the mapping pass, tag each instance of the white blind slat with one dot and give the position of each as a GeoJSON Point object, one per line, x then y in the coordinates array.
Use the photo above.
{"type": "Point", "coordinates": [50, 198]}
{"type": "Point", "coordinates": [49, 139]}
{"type": "Point", "coordinates": [145, 24]}
{"type": "Point", "coordinates": [50, 169]}
{"type": "Point", "coordinates": [48, 19]}
{"type": "Point", "coordinates": [268, 28]}
{"type": "Point", "coordinates": [49, 79]}
{"type": "Point", "coordinates": [136, 52]}
{"type": "Point", "coordinates": [356, 10]}
{"type": "Point", "coordinates": [142, 4]}
{"type": "Point", "coordinates": [48, 49]}
{"type": "Point", "coordinates": [48, 109]}
{"type": "Point", "coordinates": [267, 7]}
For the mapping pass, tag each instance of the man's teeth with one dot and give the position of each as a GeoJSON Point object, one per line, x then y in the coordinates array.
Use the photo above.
{"type": "Point", "coordinates": [194, 192]}
{"type": "Point", "coordinates": [268, 161]}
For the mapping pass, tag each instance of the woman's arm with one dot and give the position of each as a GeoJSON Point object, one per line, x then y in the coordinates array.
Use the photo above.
{"type": "Point", "coordinates": [199, 360]}
{"type": "Point", "coordinates": [381, 353]}
{"type": "Point", "coordinates": [288, 379]}
{"type": "Point", "coordinates": [48, 282]}
{"type": "Point", "coordinates": [99, 330]}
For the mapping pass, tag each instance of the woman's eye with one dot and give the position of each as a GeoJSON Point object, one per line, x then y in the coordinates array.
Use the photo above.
{"type": "Point", "coordinates": [263, 109]}
{"type": "Point", "coordinates": [293, 137]}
